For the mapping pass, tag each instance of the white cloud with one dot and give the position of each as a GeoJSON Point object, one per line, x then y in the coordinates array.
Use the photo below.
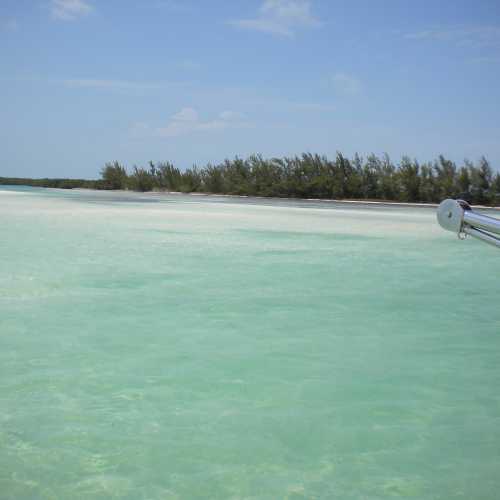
{"type": "Point", "coordinates": [190, 65]}
{"type": "Point", "coordinates": [187, 121]}
{"type": "Point", "coordinates": [173, 6]}
{"type": "Point", "coordinates": [118, 86]}
{"type": "Point", "coordinates": [486, 60]}
{"type": "Point", "coordinates": [140, 129]}
{"type": "Point", "coordinates": [186, 115]}
{"type": "Point", "coordinates": [346, 84]}
{"type": "Point", "coordinates": [113, 84]}
{"type": "Point", "coordinates": [69, 10]}
{"type": "Point", "coordinates": [9, 25]}
{"type": "Point", "coordinates": [231, 116]}
{"type": "Point", "coordinates": [472, 36]}
{"type": "Point", "coordinates": [314, 107]}
{"type": "Point", "coordinates": [280, 17]}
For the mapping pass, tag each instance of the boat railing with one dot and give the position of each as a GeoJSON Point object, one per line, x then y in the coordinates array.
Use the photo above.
{"type": "Point", "coordinates": [457, 216]}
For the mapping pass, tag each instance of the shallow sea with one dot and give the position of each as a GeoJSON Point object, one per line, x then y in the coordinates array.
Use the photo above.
{"type": "Point", "coordinates": [191, 347]}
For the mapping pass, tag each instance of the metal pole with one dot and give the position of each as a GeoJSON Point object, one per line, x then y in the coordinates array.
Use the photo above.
{"type": "Point", "coordinates": [482, 222]}
{"type": "Point", "coordinates": [482, 235]}
{"type": "Point", "coordinates": [457, 216]}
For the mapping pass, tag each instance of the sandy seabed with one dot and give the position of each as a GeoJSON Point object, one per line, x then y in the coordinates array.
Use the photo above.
{"type": "Point", "coordinates": [177, 346]}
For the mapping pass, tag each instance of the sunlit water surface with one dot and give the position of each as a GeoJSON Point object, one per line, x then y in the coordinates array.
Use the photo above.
{"type": "Point", "coordinates": [188, 347]}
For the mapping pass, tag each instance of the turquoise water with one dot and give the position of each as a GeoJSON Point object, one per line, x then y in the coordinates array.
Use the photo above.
{"type": "Point", "coordinates": [189, 347]}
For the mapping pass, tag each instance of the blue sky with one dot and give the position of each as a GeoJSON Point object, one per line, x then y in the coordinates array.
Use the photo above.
{"type": "Point", "coordinates": [83, 82]}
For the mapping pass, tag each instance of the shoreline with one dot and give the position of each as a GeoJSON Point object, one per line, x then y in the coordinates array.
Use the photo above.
{"type": "Point", "coordinates": [274, 198]}
{"type": "Point", "coordinates": [382, 203]}
{"type": "Point", "coordinates": [387, 203]}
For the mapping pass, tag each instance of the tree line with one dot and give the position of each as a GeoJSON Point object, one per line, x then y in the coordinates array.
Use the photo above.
{"type": "Point", "coordinates": [53, 183]}
{"type": "Point", "coordinates": [306, 176]}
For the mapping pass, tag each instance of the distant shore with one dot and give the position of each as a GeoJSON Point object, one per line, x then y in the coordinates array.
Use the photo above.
{"type": "Point", "coordinates": [277, 198]}
{"type": "Point", "coordinates": [358, 202]}
{"type": "Point", "coordinates": [283, 198]}
{"type": "Point", "coordinates": [371, 180]}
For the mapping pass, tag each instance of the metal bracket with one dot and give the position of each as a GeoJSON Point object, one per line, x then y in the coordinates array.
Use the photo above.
{"type": "Point", "coordinates": [458, 217]}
